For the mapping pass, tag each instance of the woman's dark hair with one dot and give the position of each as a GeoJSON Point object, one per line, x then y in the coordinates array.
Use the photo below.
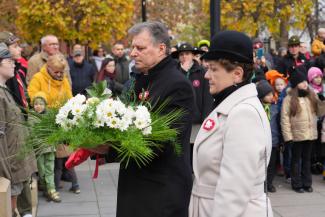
{"type": "Point", "coordinates": [102, 71]}
{"type": "Point", "coordinates": [294, 101]}
{"type": "Point", "coordinates": [230, 65]}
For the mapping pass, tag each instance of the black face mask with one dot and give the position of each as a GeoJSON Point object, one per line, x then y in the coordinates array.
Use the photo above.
{"type": "Point", "coordinates": [302, 93]}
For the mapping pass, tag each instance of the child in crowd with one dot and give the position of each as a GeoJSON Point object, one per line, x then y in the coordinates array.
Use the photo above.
{"type": "Point", "coordinates": [315, 79]}
{"type": "Point", "coordinates": [299, 127]}
{"type": "Point", "coordinates": [45, 159]}
{"type": "Point", "coordinates": [265, 94]}
{"type": "Point", "coordinates": [279, 84]}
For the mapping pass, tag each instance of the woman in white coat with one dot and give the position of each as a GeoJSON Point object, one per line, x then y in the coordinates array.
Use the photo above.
{"type": "Point", "coordinates": [233, 146]}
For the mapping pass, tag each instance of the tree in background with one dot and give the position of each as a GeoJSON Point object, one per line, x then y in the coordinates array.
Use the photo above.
{"type": "Point", "coordinates": [8, 15]}
{"type": "Point", "coordinates": [185, 18]}
{"type": "Point", "coordinates": [252, 16]}
{"type": "Point", "coordinates": [83, 21]}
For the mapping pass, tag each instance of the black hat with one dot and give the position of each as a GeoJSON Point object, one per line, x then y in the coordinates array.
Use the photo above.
{"type": "Point", "coordinates": [263, 88]}
{"type": "Point", "coordinates": [186, 47]}
{"type": "Point", "coordinates": [230, 45]}
{"type": "Point", "coordinates": [297, 77]}
{"type": "Point", "coordinates": [294, 40]}
{"type": "Point", "coordinates": [4, 51]}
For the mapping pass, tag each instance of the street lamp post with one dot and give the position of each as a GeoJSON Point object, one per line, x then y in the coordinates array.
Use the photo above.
{"type": "Point", "coordinates": [144, 12]}
{"type": "Point", "coordinates": [215, 11]}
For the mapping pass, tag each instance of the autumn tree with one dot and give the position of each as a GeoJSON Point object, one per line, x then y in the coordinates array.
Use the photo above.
{"type": "Point", "coordinates": [185, 18]}
{"type": "Point", "coordinates": [83, 21]}
{"type": "Point", "coordinates": [8, 14]}
{"type": "Point", "coordinates": [252, 16]}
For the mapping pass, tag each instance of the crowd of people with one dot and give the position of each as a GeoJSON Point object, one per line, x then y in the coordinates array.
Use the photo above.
{"type": "Point", "coordinates": [289, 85]}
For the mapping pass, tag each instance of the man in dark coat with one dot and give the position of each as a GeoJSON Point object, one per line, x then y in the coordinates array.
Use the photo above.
{"type": "Point", "coordinates": [82, 73]}
{"type": "Point", "coordinates": [195, 73]}
{"type": "Point", "coordinates": [163, 187]}
{"type": "Point", "coordinates": [121, 63]}
{"type": "Point", "coordinates": [293, 59]}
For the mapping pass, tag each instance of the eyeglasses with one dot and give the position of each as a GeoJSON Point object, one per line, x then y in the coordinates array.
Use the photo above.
{"type": "Point", "coordinates": [53, 44]}
{"type": "Point", "coordinates": [8, 61]}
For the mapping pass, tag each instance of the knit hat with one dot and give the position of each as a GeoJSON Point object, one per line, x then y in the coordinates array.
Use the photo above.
{"type": "Point", "coordinates": [203, 42]}
{"type": "Point", "coordinates": [4, 51]}
{"type": "Point", "coordinates": [297, 77]}
{"type": "Point", "coordinates": [8, 38]}
{"type": "Point", "coordinates": [272, 75]}
{"type": "Point", "coordinates": [263, 88]}
{"type": "Point", "coordinates": [314, 72]}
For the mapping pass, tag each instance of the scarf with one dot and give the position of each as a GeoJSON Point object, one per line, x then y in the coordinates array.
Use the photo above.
{"type": "Point", "coordinates": [219, 97]}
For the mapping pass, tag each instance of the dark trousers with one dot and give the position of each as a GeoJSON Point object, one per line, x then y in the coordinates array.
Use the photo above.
{"type": "Point", "coordinates": [271, 169]}
{"type": "Point", "coordinates": [24, 200]}
{"type": "Point", "coordinates": [301, 177]}
{"type": "Point", "coordinates": [58, 169]}
{"type": "Point", "coordinates": [287, 155]}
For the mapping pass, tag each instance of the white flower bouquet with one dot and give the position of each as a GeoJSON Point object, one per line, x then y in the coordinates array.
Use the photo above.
{"type": "Point", "coordinates": [135, 130]}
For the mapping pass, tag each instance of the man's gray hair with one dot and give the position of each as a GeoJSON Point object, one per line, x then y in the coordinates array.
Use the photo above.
{"type": "Point", "coordinates": [44, 38]}
{"type": "Point", "coordinates": [157, 30]}
{"type": "Point", "coordinates": [320, 31]}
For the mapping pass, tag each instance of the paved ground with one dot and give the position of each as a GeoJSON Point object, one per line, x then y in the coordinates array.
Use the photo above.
{"type": "Point", "coordinates": [98, 197]}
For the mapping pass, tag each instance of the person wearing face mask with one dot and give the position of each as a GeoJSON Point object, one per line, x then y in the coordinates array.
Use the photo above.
{"type": "Point", "coordinates": [299, 113]}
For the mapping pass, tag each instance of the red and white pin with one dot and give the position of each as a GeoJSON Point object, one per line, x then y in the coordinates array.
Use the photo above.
{"type": "Point", "coordinates": [196, 83]}
{"type": "Point", "coordinates": [209, 124]}
{"type": "Point", "coordinates": [144, 95]}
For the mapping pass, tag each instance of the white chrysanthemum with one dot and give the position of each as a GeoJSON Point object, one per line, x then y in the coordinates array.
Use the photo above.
{"type": "Point", "coordinates": [92, 101]}
{"type": "Point", "coordinates": [107, 91]}
{"type": "Point", "coordinates": [72, 112]}
{"type": "Point", "coordinates": [147, 130]}
{"type": "Point", "coordinates": [142, 118]}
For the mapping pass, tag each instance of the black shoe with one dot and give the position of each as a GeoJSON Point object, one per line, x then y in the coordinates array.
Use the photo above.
{"type": "Point", "coordinates": [308, 189]}
{"type": "Point", "coordinates": [271, 189]}
{"type": "Point", "coordinates": [299, 190]}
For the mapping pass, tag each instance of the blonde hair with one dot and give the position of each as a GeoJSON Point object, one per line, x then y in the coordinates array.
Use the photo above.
{"type": "Point", "coordinates": [57, 62]}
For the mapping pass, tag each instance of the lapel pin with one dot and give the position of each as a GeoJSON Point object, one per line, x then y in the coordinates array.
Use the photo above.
{"type": "Point", "coordinates": [144, 95]}
{"type": "Point", "coordinates": [209, 124]}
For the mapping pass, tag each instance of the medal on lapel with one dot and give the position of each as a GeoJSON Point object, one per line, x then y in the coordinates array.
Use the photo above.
{"type": "Point", "coordinates": [209, 124]}
{"type": "Point", "coordinates": [196, 83]}
{"type": "Point", "coordinates": [143, 96]}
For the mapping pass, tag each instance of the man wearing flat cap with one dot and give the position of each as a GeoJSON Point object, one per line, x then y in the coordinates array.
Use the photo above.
{"type": "Point", "coordinates": [81, 71]}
